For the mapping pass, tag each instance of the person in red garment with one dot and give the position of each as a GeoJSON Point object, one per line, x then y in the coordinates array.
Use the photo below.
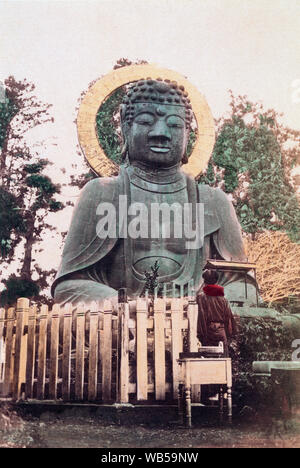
{"type": "Point", "coordinates": [215, 319]}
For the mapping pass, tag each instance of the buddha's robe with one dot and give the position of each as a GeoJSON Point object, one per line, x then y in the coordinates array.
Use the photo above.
{"type": "Point", "coordinates": [87, 257]}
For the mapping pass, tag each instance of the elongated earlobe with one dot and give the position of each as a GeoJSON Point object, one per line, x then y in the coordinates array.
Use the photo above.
{"type": "Point", "coordinates": [185, 159]}
{"type": "Point", "coordinates": [124, 150]}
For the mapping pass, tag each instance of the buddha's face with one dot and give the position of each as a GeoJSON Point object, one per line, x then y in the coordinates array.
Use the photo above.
{"type": "Point", "coordinates": [157, 135]}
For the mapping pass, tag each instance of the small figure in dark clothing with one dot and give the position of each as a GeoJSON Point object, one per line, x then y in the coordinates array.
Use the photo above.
{"type": "Point", "coordinates": [215, 319]}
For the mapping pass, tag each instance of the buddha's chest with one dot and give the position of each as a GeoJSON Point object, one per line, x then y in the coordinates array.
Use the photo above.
{"type": "Point", "coordinates": [157, 229]}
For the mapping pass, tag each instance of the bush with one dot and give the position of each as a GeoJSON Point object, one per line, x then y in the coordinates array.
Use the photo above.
{"type": "Point", "coordinates": [18, 287]}
{"type": "Point", "coordinates": [258, 339]}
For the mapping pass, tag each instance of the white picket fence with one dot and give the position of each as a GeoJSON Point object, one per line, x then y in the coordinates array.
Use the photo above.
{"type": "Point", "coordinates": [95, 353]}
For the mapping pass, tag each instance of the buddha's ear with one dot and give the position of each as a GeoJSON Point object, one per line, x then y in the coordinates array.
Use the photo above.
{"type": "Point", "coordinates": [124, 150]}
{"type": "Point", "coordinates": [185, 158]}
{"type": "Point", "coordinates": [123, 122]}
{"type": "Point", "coordinates": [124, 128]}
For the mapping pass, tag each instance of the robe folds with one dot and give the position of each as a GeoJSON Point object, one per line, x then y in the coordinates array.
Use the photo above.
{"type": "Point", "coordinates": [84, 248]}
{"type": "Point", "coordinates": [215, 319]}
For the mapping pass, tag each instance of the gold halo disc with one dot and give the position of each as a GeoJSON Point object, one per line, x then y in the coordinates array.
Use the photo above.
{"type": "Point", "coordinates": [105, 86]}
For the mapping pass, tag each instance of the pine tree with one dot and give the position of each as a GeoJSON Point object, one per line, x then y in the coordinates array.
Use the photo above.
{"type": "Point", "coordinates": [27, 193]}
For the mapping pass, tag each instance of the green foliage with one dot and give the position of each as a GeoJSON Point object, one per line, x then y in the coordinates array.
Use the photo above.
{"type": "Point", "coordinates": [264, 339]}
{"type": "Point", "coordinates": [151, 282]}
{"type": "Point", "coordinates": [8, 109]}
{"type": "Point", "coordinates": [191, 142]}
{"type": "Point", "coordinates": [27, 195]}
{"type": "Point", "coordinates": [45, 190]}
{"type": "Point", "coordinates": [43, 183]}
{"type": "Point", "coordinates": [17, 287]}
{"type": "Point", "coordinates": [231, 179]}
{"type": "Point", "coordinates": [10, 219]}
{"type": "Point", "coordinates": [258, 339]}
{"type": "Point", "coordinates": [208, 177]}
{"type": "Point", "coordinates": [35, 168]}
{"type": "Point", "coordinates": [55, 206]}
{"type": "Point", "coordinates": [106, 125]}
{"type": "Point", "coordinates": [252, 150]}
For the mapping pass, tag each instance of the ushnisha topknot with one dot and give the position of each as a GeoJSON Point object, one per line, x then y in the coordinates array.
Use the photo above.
{"type": "Point", "coordinates": [157, 91]}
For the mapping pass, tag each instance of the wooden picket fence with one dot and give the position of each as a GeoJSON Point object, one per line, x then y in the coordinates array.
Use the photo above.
{"type": "Point", "coordinates": [95, 353]}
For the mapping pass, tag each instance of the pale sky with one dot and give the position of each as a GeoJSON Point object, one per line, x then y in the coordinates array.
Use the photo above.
{"type": "Point", "coordinates": [249, 46]}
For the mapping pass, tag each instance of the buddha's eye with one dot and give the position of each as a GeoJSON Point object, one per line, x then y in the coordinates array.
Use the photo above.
{"type": "Point", "coordinates": [144, 119]}
{"type": "Point", "coordinates": [175, 121]}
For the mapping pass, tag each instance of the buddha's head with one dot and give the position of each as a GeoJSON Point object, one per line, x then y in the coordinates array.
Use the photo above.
{"type": "Point", "coordinates": [156, 117]}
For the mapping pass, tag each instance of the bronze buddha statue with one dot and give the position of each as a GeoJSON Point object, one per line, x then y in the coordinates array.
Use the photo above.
{"type": "Point", "coordinates": [155, 117]}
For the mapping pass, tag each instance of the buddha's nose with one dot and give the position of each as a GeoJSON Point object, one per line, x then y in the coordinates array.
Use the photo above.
{"type": "Point", "coordinates": [160, 130]}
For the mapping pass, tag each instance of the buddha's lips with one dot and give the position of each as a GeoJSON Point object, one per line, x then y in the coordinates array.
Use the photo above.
{"type": "Point", "coordinates": [159, 149]}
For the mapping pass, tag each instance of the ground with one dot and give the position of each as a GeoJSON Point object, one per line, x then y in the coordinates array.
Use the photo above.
{"type": "Point", "coordinates": [74, 429]}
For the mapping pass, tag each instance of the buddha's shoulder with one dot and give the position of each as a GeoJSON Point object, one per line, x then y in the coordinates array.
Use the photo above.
{"type": "Point", "coordinates": [213, 195]}
{"type": "Point", "coordinates": [100, 189]}
{"type": "Point", "coordinates": [101, 184]}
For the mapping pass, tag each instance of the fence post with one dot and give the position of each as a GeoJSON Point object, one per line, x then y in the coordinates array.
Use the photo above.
{"type": "Point", "coordinates": [176, 319]}
{"type": "Point", "coordinates": [22, 309]}
{"type": "Point", "coordinates": [124, 348]}
{"type": "Point", "coordinates": [192, 314]}
{"type": "Point", "coordinates": [66, 357]}
{"type": "Point", "coordinates": [141, 349]}
{"type": "Point", "coordinates": [9, 362]}
{"type": "Point", "coordinates": [93, 351]}
{"type": "Point", "coordinates": [43, 319]}
{"type": "Point", "coordinates": [2, 348]}
{"type": "Point", "coordinates": [80, 338]}
{"type": "Point", "coordinates": [54, 352]}
{"type": "Point", "coordinates": [107, 351]}
{"type": "Point", "coordinates": [30, 352]}
{"type": "Point", "coordinates": [159, 349]}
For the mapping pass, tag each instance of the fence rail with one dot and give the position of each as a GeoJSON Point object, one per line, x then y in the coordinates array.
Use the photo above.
{"type": "Point", "coordinates": [97, 352]}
